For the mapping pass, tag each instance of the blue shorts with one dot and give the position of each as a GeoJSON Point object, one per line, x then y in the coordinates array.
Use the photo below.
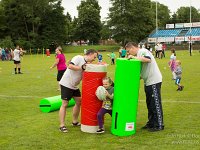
{"type": "Point", "coordinates": [178, 80]}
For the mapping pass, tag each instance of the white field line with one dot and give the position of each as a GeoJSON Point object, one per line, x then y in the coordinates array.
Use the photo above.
{"type": "Point", "coordinates": [164, 101]}
{"type": "Point", "coordinates": [19, 96]}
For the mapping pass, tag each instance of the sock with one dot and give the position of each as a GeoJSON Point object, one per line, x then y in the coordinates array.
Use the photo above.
{"type": "Point", "coordinates": [19, 69]}
{"type": "Point", "coordinates": [15, 69]}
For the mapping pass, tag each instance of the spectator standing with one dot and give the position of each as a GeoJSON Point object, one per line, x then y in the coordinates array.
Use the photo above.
{"type": "Point", "coordinates": [60, 62]}
{"type": "Point", "coordinates": [17, 53]}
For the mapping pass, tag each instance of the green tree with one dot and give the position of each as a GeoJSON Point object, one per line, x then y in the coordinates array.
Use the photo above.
{"type": "Point", "coordinates": [183, 14]}
{"type": "Point", "coordinates": [69, 28]}
{"type": "Point", "coordinates": [75, 31]}
{"type": "Point", "coordinates": [163, 14]}
{"type": "Point", "coordinates": [34, 23]}
{"type": "Point", "coordinates": [7, 42]}
{"type": "Point", "coordinates": [173, 18]}
{"type": "Point", "coordinates": [130, 20]}
{"type": "Point", "coordinates": [89, 23]}
{"type": "Point", "coordinates": [105, 31]}
{"type": "Point", "coordinates": [53, 26]}
{"type": "Point", "coordinates": [3, 26]}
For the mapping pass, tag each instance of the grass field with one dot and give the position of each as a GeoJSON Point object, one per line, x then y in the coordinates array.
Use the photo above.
{"type": "Point", "coordinates": [24, 126]}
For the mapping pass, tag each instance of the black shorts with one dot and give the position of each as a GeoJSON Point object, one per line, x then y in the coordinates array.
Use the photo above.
{"type": "Point", "coordinates": [60, 74]}
{"type": "Point", "coordinates": [67, 93]}
{"type": "Point", "coordinates": [16, 62]}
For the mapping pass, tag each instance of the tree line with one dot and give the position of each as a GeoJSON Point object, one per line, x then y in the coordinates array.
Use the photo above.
{"type": "Point", "coordinates": [42, 23]}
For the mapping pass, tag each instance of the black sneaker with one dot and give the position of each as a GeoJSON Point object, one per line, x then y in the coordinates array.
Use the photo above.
{"type": "Point", "coordinates": [20, 73]}
{"type": "Point", "coordinates": [100, 131]}
{"type": "Point", "coordinates": [156, 129]}
{"type": "Point", "coordinates": [76, 124]}
{"type": "Point", "coordinates": [145, 127]}
{"type": "Point", "coordinates": [181, 88]}
{"type": "Point", "coordinates": [63, 129]}
{"type": "Point", "coordinates": [15, 72]}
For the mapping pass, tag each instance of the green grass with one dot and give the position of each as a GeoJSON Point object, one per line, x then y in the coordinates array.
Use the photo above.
{"type": "Point", "coordinates": [24, 126]}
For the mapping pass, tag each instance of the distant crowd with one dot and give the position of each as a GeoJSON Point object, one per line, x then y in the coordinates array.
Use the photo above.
{"type": "Point", "coordinates": [6, 54]}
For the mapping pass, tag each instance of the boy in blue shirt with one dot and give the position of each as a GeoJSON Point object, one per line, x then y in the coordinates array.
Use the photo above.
{"type": "Point", "coordinates": [100, 57]}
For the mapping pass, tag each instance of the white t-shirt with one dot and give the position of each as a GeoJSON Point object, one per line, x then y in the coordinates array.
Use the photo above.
{"type": "Point", "coordinates": [16, 53]}
{"type": "Point", "coordinates": [150, 72]}
{"type": "Point", "coordinates": [72, 78]}
{"type": "Point", "coordinates": [159, 48]}
{"type": "Point", "coordinates": [172, 57]}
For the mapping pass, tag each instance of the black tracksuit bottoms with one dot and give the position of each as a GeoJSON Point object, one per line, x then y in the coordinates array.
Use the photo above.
{"type": "Point", "coordinates": [154, 105]}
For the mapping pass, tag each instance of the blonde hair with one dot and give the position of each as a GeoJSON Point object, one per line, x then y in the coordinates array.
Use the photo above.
{"type": "Point", "coordinates": [178, 61]}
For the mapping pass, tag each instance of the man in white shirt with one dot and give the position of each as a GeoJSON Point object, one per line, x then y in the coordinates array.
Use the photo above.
{"type": "Point", "coordinates": [152, 77]}
{"type": "Point", "coordinates": [69, 86]}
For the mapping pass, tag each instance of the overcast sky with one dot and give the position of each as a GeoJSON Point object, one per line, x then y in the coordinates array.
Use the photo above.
{"type": "Point", "coordinates": [71, 5]}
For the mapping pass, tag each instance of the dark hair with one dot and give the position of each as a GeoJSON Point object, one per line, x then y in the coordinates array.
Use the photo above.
{"type": "Point", "coordinates": [91, 51]}
{"type": "Point", "coordinates": [131, 44]}
{"type": "Point", "coordinates": [173, 51]}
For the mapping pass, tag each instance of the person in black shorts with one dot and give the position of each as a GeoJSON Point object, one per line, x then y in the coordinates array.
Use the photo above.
{"type": "Point", "coordinates": [17, 54]}
{"type": "Point", "coordinates": [69, 86]}
{"type": "Point", "coordinates": [60, 62]}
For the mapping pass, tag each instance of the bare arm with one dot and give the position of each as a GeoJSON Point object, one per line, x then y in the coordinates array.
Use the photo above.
{"type": "Point", "coordinates": [56, 62]}
{"type": "Point", "coordinates": [109, 95]}
{"type": "Point", "coordinates": [170, 63]}
{"type": "Point", "coordinates": [143, 59]}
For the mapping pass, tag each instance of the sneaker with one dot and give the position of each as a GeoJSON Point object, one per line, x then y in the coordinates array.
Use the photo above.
{"type": "Point", "coordinates": [63, 129]}
{"type": "Point", "coordinates": [182, 88]}
{"type": "Point", "coordinates": [76, 124]}
{"type": "Point", "coordinates": [100, 131]}
{"type": "Point", "coordinates": [15, 72]}
{"type": "Point", "coordinates": [146, 127]}
{"type": "Point", "coordinates": [156, 129]}
{"type": "Point", "coordinates": [20, 73]}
